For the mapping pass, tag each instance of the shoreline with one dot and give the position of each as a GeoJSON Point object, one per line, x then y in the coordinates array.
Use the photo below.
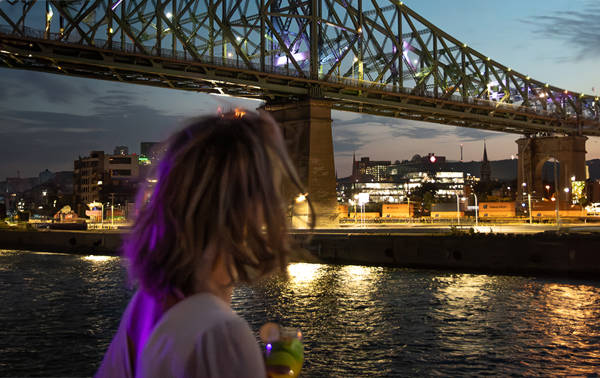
{"type": "Point", "coordinates": [570, 255]}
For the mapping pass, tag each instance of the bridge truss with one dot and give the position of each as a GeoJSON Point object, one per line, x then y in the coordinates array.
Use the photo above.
{"type": "Point", "coordinates": [377, 57]}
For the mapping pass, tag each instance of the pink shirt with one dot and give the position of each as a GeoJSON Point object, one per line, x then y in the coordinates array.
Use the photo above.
{"type": "Point", "coordinates": [199, 336]}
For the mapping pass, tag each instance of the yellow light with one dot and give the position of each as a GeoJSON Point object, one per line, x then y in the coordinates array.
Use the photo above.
{"type": "Point", "coordinates": [301, 198]}
{"type": "Point", "coordinates": [96, 258]}
{"type": "Point", "coordinates": [110, 30]}
{"type": "Point", "coordinates": [238, 113]}
{"type": "Point", "coordinates": [303, 273]}
{"type": "Point", "coordinates": [357, 271]}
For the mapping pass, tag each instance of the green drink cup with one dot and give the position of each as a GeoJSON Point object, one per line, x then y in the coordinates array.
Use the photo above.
{"type": "Point", "coordinates": [284, 352]}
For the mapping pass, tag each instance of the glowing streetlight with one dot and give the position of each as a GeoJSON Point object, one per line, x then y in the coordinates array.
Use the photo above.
{"type": "Point", "coordinates": [301, 198]}
{"type": "Point", "coordinates": [457, 208]}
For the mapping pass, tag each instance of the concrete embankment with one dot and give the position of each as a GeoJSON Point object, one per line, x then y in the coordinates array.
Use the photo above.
{"type": "Point", "coordinates": [567, 255]}
{"type": "Point", "coordinates": [79, 242]}
{"type": "Point", "coordinates": [576, 255]}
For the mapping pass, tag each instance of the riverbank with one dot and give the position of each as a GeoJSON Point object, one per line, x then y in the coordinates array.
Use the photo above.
{"type": "Point", "coordinates": [545, 253]}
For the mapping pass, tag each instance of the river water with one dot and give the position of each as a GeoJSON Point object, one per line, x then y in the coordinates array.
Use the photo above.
{"type": "Point", "coordinates": [59, 313]}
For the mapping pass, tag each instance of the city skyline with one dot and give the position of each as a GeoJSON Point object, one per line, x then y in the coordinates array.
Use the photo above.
{"type": "Point", "coordinates": [47, 121]}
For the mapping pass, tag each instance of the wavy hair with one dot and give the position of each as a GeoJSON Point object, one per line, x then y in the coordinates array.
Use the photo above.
{"type": "Point", "coordinates": [217, 193]}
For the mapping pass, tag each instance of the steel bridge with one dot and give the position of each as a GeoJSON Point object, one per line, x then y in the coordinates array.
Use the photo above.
{"type": "Point", "coordinates": [377, 57]}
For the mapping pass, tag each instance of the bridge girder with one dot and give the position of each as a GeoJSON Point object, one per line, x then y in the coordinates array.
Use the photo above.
{"type": "Point", "coordinates": [377, 57]}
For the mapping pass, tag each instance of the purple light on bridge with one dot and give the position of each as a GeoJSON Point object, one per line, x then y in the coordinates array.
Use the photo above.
{"type": "Point", "coordinates": [283, 60]}
{"type": "Point", "coordinates": [116, 5]}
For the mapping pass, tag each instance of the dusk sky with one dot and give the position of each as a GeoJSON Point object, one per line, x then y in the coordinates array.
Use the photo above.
{"type": "Point", "coordinates": [47, 121]}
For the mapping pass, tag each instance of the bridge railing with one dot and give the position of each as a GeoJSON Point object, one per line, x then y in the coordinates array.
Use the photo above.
{"type": "Point", "coordinates": [454, 98]}
{"type": "Point", "coordinates": [238, 63]}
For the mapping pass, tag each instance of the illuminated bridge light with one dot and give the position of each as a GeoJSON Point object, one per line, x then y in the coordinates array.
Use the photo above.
{"type": "Point", "coordinates": [116, 5]}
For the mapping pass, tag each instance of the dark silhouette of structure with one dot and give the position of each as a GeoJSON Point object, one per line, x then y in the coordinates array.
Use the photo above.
{"type": "Point", "coordinates": [486, 168]}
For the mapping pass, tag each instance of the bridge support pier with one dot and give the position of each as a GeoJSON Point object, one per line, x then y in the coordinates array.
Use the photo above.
{"type": "Point", "coordinates": [569, 151]}
{"type": "Point", "coordinates": [306, 127]}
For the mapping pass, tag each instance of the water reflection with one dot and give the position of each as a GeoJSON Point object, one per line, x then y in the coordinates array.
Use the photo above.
{"type": "Point", "coordinates": [570, 317]}
{"type": "Point", "coordinates": [99, 258]}
{"type": "Point", "coordinates": [303, 274]}
{"type": "Point", "coordinates": [460, 293]}
{"type": "Point", "coordinates": [59, 313]}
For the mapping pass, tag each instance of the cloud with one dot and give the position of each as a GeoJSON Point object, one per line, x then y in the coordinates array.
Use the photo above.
{"type": "Point", "coordinates": [472, 135]}
{"type": "Point", "coordinates": [580, 29]}
{"type": "Point", "coordinates": [362, 132]}
{"type": "Point", "coordinates": [346, 140]}
{"type": "Point", "coordinates": [53, 89]}
{"type": "Point", "coordinates": [31, 141]}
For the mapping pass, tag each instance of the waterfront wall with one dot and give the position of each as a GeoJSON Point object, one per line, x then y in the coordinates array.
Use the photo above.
{"type": "Point", "coordinates": [80, 242]}
{"type": "Point", "coordinates": [543, 253]}
{"type": "Point", "coordinates": [576, 255]}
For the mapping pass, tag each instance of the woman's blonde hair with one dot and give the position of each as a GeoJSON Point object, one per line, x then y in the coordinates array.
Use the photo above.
{"type": "Point", "coordinates": [217, 193]}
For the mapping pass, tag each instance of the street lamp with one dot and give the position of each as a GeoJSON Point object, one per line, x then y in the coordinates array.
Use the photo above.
{"type": "Point", "coordinates": [363, 199]}
{"type": "Point", "coordinates": [476, 210]}
{"type": "Point", "coordinates": [299, 199]}
{"type": "Point", "coordinates": [353, 203]}
{"type": "Point", "coordinates": [457, 208]}
{"type": "Point", "coordinates": [557, 209]}
{"type": "Point", "coordinates": [529, 207]}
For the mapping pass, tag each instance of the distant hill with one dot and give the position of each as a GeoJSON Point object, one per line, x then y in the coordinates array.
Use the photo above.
{"type": "Point", "coordinates": [506, 170]}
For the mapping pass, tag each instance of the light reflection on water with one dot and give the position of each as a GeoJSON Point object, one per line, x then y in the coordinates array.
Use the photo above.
{"type": "Point", "coordinates": [60, 312]}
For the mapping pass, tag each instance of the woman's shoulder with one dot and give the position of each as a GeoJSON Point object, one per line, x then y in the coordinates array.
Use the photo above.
{"type": "Point", "coordinates": [199, 333]}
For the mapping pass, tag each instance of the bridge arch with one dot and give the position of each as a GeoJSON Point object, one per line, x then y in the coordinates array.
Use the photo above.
{"type": "Point", "coordinates": [569, 151]}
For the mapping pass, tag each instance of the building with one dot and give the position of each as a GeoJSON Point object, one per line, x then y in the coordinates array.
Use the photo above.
{"type": "Point", "coordinates": [35, 195]}
{"type": "Point", "coordinates": [444, 185]}
{"type": "Point", "coordinates": [388, 192]}
{"type": "Point", "coordinates": [486, 168]}
{"type": "Point", "coordinates": [121, 150]}
{"type": "Point", "coordinates": [151, 152]}
{"type": "Point", "coordinates": [367, 169]}
{"type": "Point", "coordinates": [428, 164]}
{"type": "Point", "coordinates": [100, 177]}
